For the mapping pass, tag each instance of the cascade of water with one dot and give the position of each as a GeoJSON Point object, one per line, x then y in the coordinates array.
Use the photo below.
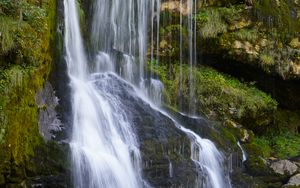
{"type": "Point", "coordinates": [243, 152]}
{"type": "Point", "coordinates": [155, 91]}
{"type": "Point", "coordinates": [122, 26]}
{"type": "Point", "coordinates": [210, 160]}
{"type": "Point", "coordinates": [212, 173]}
{"type": "Point", "coordinates": [104, 147]}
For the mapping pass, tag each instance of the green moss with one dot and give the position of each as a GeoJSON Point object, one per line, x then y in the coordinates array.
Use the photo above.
{"type": "Point", "coordinates": [210, 23]}
{"type": "Point", "coordinates": [280, 12]}
{"type": "Point", "coordinates": [218, 95]}
{"type": "Point", "coordinates": [22, 74]}
{"type": "Point", "coordinates": [250, 35]}
{"type": "Point", "coordinates": [286, 145]}
{"type": "Point", "coordinates": [7, 26]}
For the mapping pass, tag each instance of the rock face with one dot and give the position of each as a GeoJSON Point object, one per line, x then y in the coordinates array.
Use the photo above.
{"type": "Point", "coordinates": [284, 167]}
{"type": "Point", "coordinates": [165, 150]}
{"type": "Point", "coordinates": [294, 181]}
{"type": "Point", "coordinates": [48, 118]}
{"type": "Point", "coordinates": [230, 40]}
{"type": "Point", "coordinates": [161, 143]}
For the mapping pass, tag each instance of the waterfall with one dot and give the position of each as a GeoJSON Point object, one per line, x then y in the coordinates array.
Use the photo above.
{"type": "Point", "coordinates": [104, 147]}
{"type": "Point", "coordinates": [244, 157]}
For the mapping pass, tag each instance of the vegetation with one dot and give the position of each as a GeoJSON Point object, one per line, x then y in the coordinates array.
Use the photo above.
{"type": "Point", "coordinates": [224, 98]}
{"type": "Point", "coordinates": [218, 96]}
{"type": "Point", "coordinates": [25, 56]}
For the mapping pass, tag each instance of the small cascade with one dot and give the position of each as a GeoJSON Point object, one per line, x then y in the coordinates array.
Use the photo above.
{"type": "Point", "coordinates": [244, 158]}
{"type": "Point", "coordinates": [103, 62]}
{"type": "Point", "coordinates": [205, 154]}
{"type": "Point", "coordinates": [155, 91]}
{"type": "Point", "coordinates": [170, 169]}
{"type": "Point", "coordinates": [129, 68]}
{"type": "Point", "coordinates": [122, 26]}
{"type": "Point", "coordinates": [212, 172]}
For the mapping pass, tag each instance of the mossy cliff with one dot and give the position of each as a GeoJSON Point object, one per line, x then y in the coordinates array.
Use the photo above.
{"type": "Point", "coordinates": [253, 40]}
{"type": "Point", "coordinates": [26, 31]}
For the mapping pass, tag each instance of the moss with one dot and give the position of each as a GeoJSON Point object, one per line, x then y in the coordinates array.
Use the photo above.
{"type": "Point", "coordinates": [286, 146]}
{"type": "Point", "coordinates": [22, 75]}
{"type": "Point", "coordinates": [218, 95]}
{"type": "Point", "coordinates": [210, 23]}
{"type": "Point", "coordinates": [277, 13]}
{"type": "Point", "coordinates": [7, 26]}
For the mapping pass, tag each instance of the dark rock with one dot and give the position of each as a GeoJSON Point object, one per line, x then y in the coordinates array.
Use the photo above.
{"type": "Point", "coordinates": [161, 142]}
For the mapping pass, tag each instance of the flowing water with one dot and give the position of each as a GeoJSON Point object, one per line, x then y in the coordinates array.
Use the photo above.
{"type": "Point", "coordinates": [105, 148]}
{"type": "Point", "coordinates": [244, 157]}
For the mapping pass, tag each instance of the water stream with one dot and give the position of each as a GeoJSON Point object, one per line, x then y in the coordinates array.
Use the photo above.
{"type": "Point", "coordinates": [104, 144]}
{"type": "Point", "coordinates": [104, 147]}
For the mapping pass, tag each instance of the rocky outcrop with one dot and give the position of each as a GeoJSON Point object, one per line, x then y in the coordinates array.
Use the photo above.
{"type": "Point", "coordinates": [238, 40]}
{"type": "Point", "coordinates": [284, 167]}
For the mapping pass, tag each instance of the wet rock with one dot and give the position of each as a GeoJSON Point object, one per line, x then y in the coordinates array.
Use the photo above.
{"type": "Point", "coordinates": [46, 181]}
{"type": "Point", "coordinates": [161, 142]}
{"type": "Point", "coordinates": [284, 167]}
{"type": "Point", "coordinates": [48, 118]}
{"type": "Point", "coordinates": [294, 181]}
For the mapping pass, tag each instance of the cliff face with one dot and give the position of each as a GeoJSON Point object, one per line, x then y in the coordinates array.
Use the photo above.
{"type": "Point", "coordinates": [27, 33]}
{"type": "Point", "coordinates": [253, 40]}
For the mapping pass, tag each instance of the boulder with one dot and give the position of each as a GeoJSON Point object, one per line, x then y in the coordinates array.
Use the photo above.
{"type": "Point", "coordinates": [294, 181]}
{"type": "Point", "coordinates": [284, 167]}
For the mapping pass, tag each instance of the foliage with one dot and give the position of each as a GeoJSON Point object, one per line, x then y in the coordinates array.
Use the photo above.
{"type": "Point", "coordinates": [286, 145]}
{"type": "Point", "coordinates": [25, 57]}
{"type": "Point", "coordinates": [266, 61]}
{"type": "Point", "coordinates": [211, 23]}
{"type": "Point", "coordinates": [262, 145]}
{"type": "Point", "coordinates": [278, 13]}
{"type": "Point", "coordinates": [282, 146]}
{"type": "Point", "coordinates": [218, 95]}
{"type": "Point", "coordinates": [250, 35]}
{"type": "Point", "coordinates": [7, 27]}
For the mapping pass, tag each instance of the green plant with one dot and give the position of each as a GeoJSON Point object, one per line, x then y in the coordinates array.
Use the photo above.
{"type": "Point", "coordinates": [250, 35]}
{"type": "Point", "coordinates": [217, 94]}
{"type": "Point", "coordinates": [210, 23]}
{"type": "Point", "coordinates": [7, 40]}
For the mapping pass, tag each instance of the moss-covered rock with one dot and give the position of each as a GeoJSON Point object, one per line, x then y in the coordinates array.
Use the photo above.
{"type": "Point", "coordinates": [257, 42]}
{"type": "Point", "coordinates": [25, 62]}
{"type": "Point", "coordinates": [218, 96]}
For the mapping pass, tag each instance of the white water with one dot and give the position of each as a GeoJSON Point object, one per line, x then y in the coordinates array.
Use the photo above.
{"type": "Point", "coordinates": [103, 141]}
{"type": "Point", "coordinates": [205, 155]}
{"type": "Point", "coordinates": [243, 152]}
{"type": "Point", "coordinates": [170, 170]}
{"type": "Point", "coordinates": [104, 146]}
